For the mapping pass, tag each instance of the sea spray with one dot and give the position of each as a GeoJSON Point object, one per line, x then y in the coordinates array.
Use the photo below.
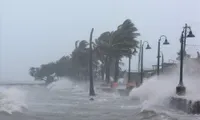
{"type": "Point", "coordinates": [12, 99]}
{"type": "Point", "coordinates": [61, 84]}
{"type": "Point", "coordinates": [157, 91]}
{"type": "Point", "coordinates": [153, 91]}
{"type": "Point", "coordinates": [66, 84]}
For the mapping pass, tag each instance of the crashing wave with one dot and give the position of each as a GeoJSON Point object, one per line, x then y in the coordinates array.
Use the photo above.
{"type": "Point", "coordinates": [155, 93]}
{"type": "Point", "coordinates": [153, 115]}
{"type": "Point", "coordinates": [12, 100]}
{"type": "Point", "coordinates": [66, 84]}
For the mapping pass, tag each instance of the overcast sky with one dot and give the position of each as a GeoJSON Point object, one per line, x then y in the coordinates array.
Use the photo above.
{"type": "Point", "coordinates": [33, 32]}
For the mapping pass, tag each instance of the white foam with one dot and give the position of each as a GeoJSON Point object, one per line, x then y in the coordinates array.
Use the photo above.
{"type": "Point", "coordinates": [65, 84]}
{"type": "Point", "coordinates": [61, 84]}
{"type": "Point", "coordinates": [155, 91]}
{"type": "Point", "coordinates": [12, 100]}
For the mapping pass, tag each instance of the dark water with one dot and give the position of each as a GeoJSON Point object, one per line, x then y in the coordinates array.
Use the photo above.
{"type": "Point", "coordinates": [72, 103]}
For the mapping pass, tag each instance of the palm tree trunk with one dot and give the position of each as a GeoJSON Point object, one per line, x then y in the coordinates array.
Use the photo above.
{"type": "Point", "coordinates": [91, 92]}
{"type": "Point", "coordinates": [102, 71]}
{"type": "Point", "coordinates": [116, 70]}
{"type": "Point", "coordinates": [107, 61]}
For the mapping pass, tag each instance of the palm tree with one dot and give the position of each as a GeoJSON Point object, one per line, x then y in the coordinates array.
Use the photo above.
{"type": "Point", "coordinates": [109, 48]}
{"type": "Point", "coordinates": [125, 41]}
{"type": "Point", "coordinates": [43, 71]}
{"type": "Point", "coordinates": [104, 46]}
{"type": "Point", "coordinates": [64, 67]}
{"type": "Point", "coordinates": [80, 58]}
{"type": "Point", "coordinates": [117, 44]}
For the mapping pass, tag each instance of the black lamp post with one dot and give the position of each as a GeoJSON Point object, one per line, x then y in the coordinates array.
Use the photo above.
{"type": "Point", "coordinates": [139, 56]}
{"type": "Point", "coordinates": [158, 56]}
{"type": "Point", "coordinates": [162, 61]}
{"type": "Point", "coordinates": [181, 89]}
{"type": "Point", "coordinates": [148, 47]}
{"type": "Point", "coordinates": [91, 92]}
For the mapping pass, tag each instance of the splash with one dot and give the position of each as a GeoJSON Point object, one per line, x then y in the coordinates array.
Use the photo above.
{"type": "Point", "coordinates": [12, 100]}
{"type": "Point", "coordinates": [61, 84]}
{"type": "Point", "coordinates": [65, 84]}
{"type": "Point", "coordinates": [156, 91]}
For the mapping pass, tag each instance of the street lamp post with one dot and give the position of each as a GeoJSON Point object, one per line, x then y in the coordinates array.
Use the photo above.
{"type": "Point", "coordinates": [139, 56]}
{"type": "Point", "coordinates": [158, 56]}
{"type": "Point", "coordinates": [142, 52]}
{"type": "Point", "coordinates": [162, 64]}
{"type": "Point", "coordinates": [181, 89]}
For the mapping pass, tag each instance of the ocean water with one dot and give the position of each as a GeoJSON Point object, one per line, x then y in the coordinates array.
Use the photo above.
{"type": "Point", "coordinates": [66, 100]}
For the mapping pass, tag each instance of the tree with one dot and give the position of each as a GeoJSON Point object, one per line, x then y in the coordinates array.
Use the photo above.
{"type": "Point", "coordinates": [80, 58]}
{"type": "Point", "coordinates": [64, 67]}
{"type": "Point", "coordinates": [44, 72]}
{"type": "Point", "coordinates": [107, 52]}
{"type": "Point", "coordinates": [104, 46]}
{"type": "Point", "coordinates": [32, 71]}
{"type": "Point", "coordinates": [117, 44]}
{"type": "Point", "coordinates": [124, 42]}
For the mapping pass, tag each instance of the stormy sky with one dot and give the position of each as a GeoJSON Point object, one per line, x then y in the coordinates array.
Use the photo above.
{"type": "Point", "coordinates": [34, 32]}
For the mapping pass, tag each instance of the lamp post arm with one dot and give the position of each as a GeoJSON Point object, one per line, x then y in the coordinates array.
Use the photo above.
{"type": "Point", "coordinates": [144, 43]}
{"type": "Point", "coordinates": [162, 37]}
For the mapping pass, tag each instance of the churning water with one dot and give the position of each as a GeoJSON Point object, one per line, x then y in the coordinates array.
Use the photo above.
{"type": "Point", "coordinates": [12, 100]}
{"type": "Point", "coordinates": [67, 100]}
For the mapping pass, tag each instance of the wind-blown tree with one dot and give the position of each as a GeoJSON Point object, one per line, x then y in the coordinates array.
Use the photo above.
{"type": "Point", "coordinates": [33, 71]}
{"type": "Point", "coordinates": [117, 44]}
{"type": "Point", "coordinates": [104, 54]}
{"type": "Point", "coordinates": [74, 66]}
{"type": "Point", "coordinates": [80, 58]}
{"type": "Point", "coordinates": [124, 42]}
{"type": "Point", "coordinates": [44, 72]}
{"type": "Point", "coordinates": [109, 48]}
{"type": "Point", "coordinates": [104, 45]}
{"type": "Point", "coordinates": [112, 67]}
{"type": "Point", "coordinates": [64, 67]}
